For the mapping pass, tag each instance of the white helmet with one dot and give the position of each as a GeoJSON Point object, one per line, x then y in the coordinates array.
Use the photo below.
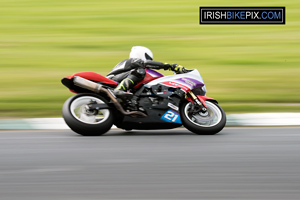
{"type": "Point", "coordinates": [141, 52]}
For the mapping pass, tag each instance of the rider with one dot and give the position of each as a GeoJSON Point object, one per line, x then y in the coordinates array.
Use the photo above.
{"type": "Point", "coordinates": [132, 70]}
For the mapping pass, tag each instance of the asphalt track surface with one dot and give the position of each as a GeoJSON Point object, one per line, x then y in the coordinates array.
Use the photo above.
{"type": "Point", "coordinates": [238, 163]}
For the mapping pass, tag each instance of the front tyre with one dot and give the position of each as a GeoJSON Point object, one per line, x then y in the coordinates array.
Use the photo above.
{"type": "Point", "coordinates": [83, 121]}
{"type": "Point", "coordinates": [208, 123]}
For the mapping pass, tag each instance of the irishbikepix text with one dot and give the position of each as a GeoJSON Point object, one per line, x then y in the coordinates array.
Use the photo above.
{"type": "Point", "coordinates": [242, 15]}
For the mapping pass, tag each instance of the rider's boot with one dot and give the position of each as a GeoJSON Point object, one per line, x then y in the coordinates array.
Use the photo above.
{"type": "Point", "coordinates": [134, 77]}
{"type": "Point", "coordinates": [121, 90]}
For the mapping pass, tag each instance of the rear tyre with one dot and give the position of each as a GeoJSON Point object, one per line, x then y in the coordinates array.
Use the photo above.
{"type": "Point", "coordinates": [83, 121]}
{"type": "Point", "coordinates": [209, 123]}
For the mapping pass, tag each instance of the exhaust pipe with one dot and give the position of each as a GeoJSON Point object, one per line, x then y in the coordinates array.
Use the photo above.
{"type": "Point", "coordinates": [87, 84]}
{"type": "Point", "coordinates": [97, 88]}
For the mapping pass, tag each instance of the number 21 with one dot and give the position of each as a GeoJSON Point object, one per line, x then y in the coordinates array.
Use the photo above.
{"type": "Point", "coordinates": [171, 115]}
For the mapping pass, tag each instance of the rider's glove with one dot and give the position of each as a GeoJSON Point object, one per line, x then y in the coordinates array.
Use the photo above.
{"type": "Point", "coordinates": [177, 68]}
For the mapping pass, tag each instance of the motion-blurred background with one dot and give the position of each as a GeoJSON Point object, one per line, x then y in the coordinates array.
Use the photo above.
{"type": "Point", "coordinates": [247, 68]}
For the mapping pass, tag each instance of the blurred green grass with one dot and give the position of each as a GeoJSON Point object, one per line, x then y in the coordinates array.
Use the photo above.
{"type": "Point", "coordinates": [247, 68]}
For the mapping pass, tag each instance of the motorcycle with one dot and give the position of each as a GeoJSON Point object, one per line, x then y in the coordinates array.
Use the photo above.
{"type": "Point", "coordinates": [158, 102]}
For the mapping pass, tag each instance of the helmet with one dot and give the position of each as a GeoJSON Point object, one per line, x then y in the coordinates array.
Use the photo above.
{"type": "Point", "coordinates": [141, 52]}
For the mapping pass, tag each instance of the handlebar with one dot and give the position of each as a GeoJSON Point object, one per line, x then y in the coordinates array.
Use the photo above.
{"type": "Point", "coordinates": [184, 71]}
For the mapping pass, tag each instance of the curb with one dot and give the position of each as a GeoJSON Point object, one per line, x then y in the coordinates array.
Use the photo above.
{"type": "Point", "coordinates": [264, 119]}
{"type": "Point", "coordinates": [247, 119]}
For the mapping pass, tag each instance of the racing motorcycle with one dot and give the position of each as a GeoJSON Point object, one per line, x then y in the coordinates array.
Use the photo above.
{"type": "Point", "coordinates": [158, 102]}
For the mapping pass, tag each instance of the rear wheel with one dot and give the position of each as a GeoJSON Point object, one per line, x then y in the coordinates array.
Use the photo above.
{"type": "Point", "coordinates": [209, 123]}
{"type": "Point", "coordinates": [84, 121]}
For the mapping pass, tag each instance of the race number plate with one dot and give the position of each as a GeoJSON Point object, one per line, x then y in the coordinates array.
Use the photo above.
{"type": "Point", "coordinates": [171, 116]}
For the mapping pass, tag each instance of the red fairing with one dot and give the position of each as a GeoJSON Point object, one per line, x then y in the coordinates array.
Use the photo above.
{"type": "Point", "coordinates": [202, 99]}
{"type": "Point", "coordinates": [93, 77]}
{"type": "Point", "coordinates": [147, 79]}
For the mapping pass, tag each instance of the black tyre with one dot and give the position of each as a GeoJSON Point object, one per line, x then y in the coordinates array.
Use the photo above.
{"type": "Point", "coordinates": [83, 121]}
{"type": "Point", "coordinates": [209, 123]}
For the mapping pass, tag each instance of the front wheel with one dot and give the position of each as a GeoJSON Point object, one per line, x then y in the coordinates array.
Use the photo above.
{"type": "Point", "coordinates": [209, 123]}
{"type": "Point", "coordinates": [83, 121]}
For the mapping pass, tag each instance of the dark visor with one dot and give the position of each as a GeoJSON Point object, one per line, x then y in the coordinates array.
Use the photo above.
{"type": "Point", "coordinates": [148, 57]}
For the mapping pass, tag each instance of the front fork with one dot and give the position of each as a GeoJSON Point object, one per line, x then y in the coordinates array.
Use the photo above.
{"type": "Point", "coordinates": [201, 105]}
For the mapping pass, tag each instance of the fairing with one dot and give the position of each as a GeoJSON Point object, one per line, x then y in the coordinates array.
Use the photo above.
{"type": "Point", "coordinates": [186, 81]}
{"type": "Point", "coordinates": [154, 73]}
{"type": "Point", "coordinates": [150, 76]}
